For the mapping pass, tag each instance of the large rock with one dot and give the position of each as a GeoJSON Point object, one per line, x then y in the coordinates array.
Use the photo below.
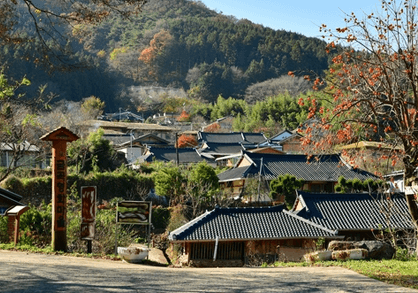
{"type": "Point", "coordinates": [376, 249]}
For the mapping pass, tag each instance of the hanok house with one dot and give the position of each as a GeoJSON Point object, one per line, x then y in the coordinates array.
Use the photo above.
{"type": "Point", "coordinates": [320, 173]}
{"type": "Point", "coordinates": [287, 141]}
{"type": "Point", "coordinates": [359, 216]}
{"type": "Point", "coordinates": [183, 156]}
{"type": "Point", "coordinates": [239, 236]}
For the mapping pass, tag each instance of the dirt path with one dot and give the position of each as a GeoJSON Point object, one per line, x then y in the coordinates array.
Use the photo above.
{"type": "Point", "coordinates": [26, 272]}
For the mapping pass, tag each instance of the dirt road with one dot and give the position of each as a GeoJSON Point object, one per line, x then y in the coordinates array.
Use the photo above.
{"type": "Point", "coordinates": [27, 272]}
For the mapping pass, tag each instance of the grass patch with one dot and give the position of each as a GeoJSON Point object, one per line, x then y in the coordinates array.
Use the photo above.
{"type": "Point", "coordinates": [401, 273]}
{"type": "Point", "coordinates": [398, 272]}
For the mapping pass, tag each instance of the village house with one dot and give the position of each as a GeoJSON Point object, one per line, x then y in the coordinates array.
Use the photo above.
{"type": "Point", "coordinates": [134, 128]}
{"type": "Point", "coordinates": [30, 157]}
{"type": "Point", "coordinates": [358, 216]}
{"type": "Point", "coordinates": [286, 141]}
{"type": "Point", "coordinates": [320, 173]}
{"type": "Point", "coordinates": [181, 156]}
{"type": "Point", "coordinates": [371, 155]}
{"type": "Point", "coordinates": [238, 236]}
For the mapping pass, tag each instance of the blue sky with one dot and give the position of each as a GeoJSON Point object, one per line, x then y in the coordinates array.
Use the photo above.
{"type": "Point", "coordinates": [300, 16]}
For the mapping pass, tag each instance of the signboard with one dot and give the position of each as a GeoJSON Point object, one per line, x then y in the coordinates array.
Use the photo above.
{"type": "Point", "coordinates": [88, 212]}
{"type": "Point", "coordinates": [134, 212]}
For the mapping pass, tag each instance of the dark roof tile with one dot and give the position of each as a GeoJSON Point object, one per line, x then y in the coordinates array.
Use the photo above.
{"type": "Point", "coordinates": [249, 224]}
{"type": "Point", "coordinates": [326, 168]}
{"type": "Point", "coordinates": [354, 211]}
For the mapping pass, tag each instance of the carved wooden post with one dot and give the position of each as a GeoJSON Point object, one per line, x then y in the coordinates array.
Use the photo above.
{"type": "Point", "coordinates": [59, 138]}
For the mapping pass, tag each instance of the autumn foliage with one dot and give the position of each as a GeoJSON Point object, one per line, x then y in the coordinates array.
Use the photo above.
{"type": "Point", "coordinates": [371, 91]}
{"type": "Point", "coordinates": [186, 141]}
{"type": "Point", "coordinates": [150, 56]}
{"type": "Point", "coordinates": [184, 117]}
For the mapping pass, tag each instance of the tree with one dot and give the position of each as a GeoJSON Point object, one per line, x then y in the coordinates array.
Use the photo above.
{"type": "Point", "coordinates": [93, 106]}
{"type": "Point", "coordinates": [93, 153]}
{"type": "Point", "coordinates": [285, 185]}
{"type": "Point", "coordinates": [19, 127]}
{"type": "Point", "coordinates": [202, 185]}
{"type": "Point", "coordinates": [168, 182]}
{"type": "Point", "coordinates": [187, 141]}
{"type": "Point", "coordinates": [51, 24]}
{"type": "Point", "coordinates": [372, 88]}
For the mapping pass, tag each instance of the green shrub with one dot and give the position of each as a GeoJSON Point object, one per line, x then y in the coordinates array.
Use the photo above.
{"type": "Point", "coordinates": [160, 217]}
{"type": "Point", "coordinates": [4, 237]}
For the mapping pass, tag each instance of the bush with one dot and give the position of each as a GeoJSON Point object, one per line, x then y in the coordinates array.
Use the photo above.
{"type": "Point", "coordinates": [4, 237]}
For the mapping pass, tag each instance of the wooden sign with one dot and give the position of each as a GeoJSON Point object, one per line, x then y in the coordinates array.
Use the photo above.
{"type": "Point", "coordinates": [134, 212]}
{"type": "Point", "coordinates": [88, 212]}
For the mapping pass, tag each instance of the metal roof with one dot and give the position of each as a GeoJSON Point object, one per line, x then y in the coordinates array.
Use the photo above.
{"type": "Point", "coordinates": [361, 211]}
{"type": "Point", "coordinates": [255, 223]}
{"type": "Point", "coordinates": [325, 168]}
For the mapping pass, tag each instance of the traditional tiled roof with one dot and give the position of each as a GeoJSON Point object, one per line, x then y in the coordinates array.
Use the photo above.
{"type": "Point", "coordinates": [354, 211]}
{"type": "Point", "coordinates": [168, 154]}
{"type": "Point", "coordinates": [231, 137]}
{"type": "Point", "coordinates": [148, 139]}
{"type": "Point", "coordinates": [261, 223]}
{"type": "Point", "coordinates": [7, 199]}
{"type": "Point", "coordinates": [126, 126]}
{"type": "Point", "coordinates": [325, 168]}
{"type": "Point", "coordinates": [117, 139]}
{"type": "Point", "coordinates": [224, 149]}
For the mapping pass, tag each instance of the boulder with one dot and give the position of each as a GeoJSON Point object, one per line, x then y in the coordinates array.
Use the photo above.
{"type": "Point", "coordinates": [376, 249]}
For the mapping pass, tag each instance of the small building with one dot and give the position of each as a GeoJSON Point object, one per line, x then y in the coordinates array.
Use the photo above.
{"type": "Point", "coordinates": [253, 138]}
{"type": "Point", "coordinates": [320, 173]}
{"type": "Point", "coordinates": [369, 155]}
{"type": "Point", "coordinates": [29, 158]}
{"type": "Point", "coordinates": [171, 154]}
{"type": "Point", "coordinates": [137, 129]}
{"type": "Point", "coordinates": [287, 141]}
{"type": "Point", "coordinates": [239, 236]}
{"type": "Point", "coordinates": [8, 199]}
{"type": "Point", "coordinates": [358, 216]}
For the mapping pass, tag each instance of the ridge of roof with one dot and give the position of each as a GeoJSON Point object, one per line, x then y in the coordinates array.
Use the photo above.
{"type": "Point", "coordinates": [335, 232]}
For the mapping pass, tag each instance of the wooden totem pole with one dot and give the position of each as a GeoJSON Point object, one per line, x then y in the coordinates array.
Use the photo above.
{"type": "Point", "coordinates": [59, 138]}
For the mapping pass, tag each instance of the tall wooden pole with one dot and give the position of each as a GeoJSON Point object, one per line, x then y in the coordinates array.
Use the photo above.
{"type": "Point", "coordinates": [59, 138]}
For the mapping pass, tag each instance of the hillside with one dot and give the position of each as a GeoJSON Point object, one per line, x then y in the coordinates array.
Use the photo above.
{"type": "Point", "coordinates": [177, 44]}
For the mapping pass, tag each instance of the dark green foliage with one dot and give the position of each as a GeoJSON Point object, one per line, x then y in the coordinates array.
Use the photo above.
{"type": "Point", "coordinates": [285, 185]}
{"type": "Point", "coordinates": [168, 182]}
{"type": "Point", "coordinates": [35, 225]}
{"type": "Point", "coordinates": [356, 185]}
{"type": "Point", "coordinates": [93, 153]}
{"type": "Point", "coordinates": [4, 237]}
{"type": "Point", "coordinates": [160, 217]}
{"type": "Point", "coordinates": [204, 174]}
{"type": "Point", "coordinates": [230, 55]}
{"type": "Point", "coordinates": [124, 183]}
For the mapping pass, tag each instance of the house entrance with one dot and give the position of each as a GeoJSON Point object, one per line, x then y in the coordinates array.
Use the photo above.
{"type": "Point", "coordinates": [226, 251]}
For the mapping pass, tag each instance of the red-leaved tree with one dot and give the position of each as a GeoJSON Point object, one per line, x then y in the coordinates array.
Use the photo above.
{"type": "Point", "coordinates": [371, 90]}
{"type": "Point", "coordinates": [186, 141]}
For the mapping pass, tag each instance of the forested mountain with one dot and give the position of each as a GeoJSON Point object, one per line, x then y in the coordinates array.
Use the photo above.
{"type": "Point", "coordinates": [172, 43]}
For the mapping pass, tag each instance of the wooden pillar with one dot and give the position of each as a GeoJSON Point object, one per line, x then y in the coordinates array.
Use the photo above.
{"type": "Point", "coordinates": [59, 138]}
{"type": "Point", "coordinates": [13, 222]}
{"type": "Point", "coordinates": [17, 224]}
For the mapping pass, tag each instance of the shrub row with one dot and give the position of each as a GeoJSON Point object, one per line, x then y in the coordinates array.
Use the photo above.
{"type": "Point", "coordinates": [127, 185]}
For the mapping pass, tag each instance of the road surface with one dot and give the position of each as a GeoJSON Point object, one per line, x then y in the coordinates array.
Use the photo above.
{"type": "Point", "coordinates": [29, 272]}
